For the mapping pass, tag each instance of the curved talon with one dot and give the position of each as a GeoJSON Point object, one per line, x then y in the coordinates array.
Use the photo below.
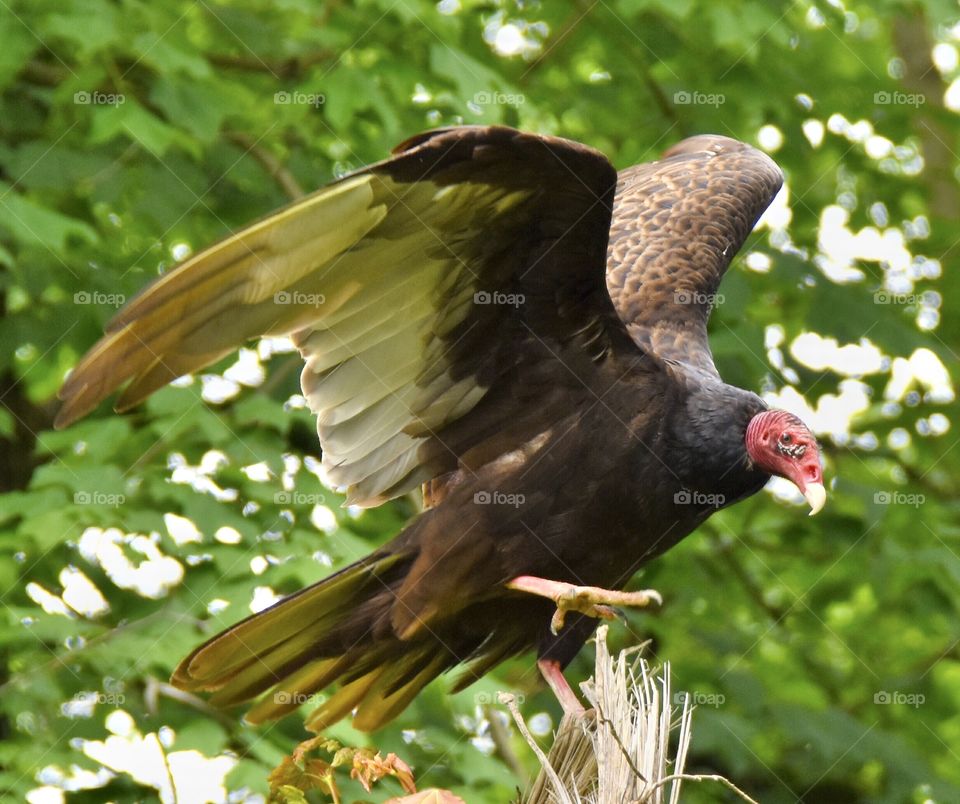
{"type": "Point", "coordinates": [589, 600]}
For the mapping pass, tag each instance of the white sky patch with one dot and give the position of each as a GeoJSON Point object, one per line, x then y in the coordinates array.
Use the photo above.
{"type": "Point", "coordinates": [279, 345]}
{"type": "Point", "coordinates": [258, 472]}
{"type": "Point", "coordinates": [421, 94]}
{"type": "Point", "coordinates": [945, 57]}
{"type": "Point", "coordinates": [55, 781]}
{"type": "Point", "coordinates": [951, 98]}
{"type": "Point", "coordinates": [508, 40]}
{"type": "Point", "coordinates": [198, 778]}
{"type": "Point", "coordinates": [815, 18]}
{"type": "Point", "coordinates": [80, 593]}
{"type": "Point", "coordinates": [854, 132]}
{"type": "Point", "coordinates": [49, 602]}
{"type": "Point", "coordinates": [924, 369]}
{"type": "Point", "coordinates": [514, 37]}
{"type": "Point", "coordinates": [178, 776]}
{"type": "Point", "coordinates": [813, 130]}
{"type": "Point", "coordinates": [180, 251]}
{"type": "Point", "coordinates": [47, 794]}
{"type": "Point", "coordinates": [295, 402]}
{"type": "Point", "coordinates": [188, 476]}
{"type": "Point", "coordinates": [898, 438]}
{"type": "Point", "coordinates": [199, 477]}
{"type": "Point", "coordinates": [784, 491]}
{"type": "Point", "coordinates": [263, 598]}
{"type": "Point", "coordinates": [778, 215]}
{"type": "Point", "coordinates": [323, 519]}
{"type": "Point", "coordinates": [541, 724]}
{"type": "Point", "coordinates": [759, 262]}
{"type": "Point", "coordinates": [841, 247]}
{"type": "Point", "coordinates": [213, 461]}
{"type": "Point", "coordinates": [181, 529]}
{"type": "Point", "coordinates": [248, 370]}
{"type": "Point", "coordinates": [939, 424]}
{"type": "Point", "coordinates": [877, 147]}
{"type": "Point", "coordinates": [259, 565]}
{"type": "Point", "coordinates": [773, 336]}
{"type": "Point", "coordinates": [852, 359]}
{"type": "Point", "coordinates": [291, 467]}
{"type": "Point", "coordinates": [832, 413]}
{"type": "Point", "coordinates": [770, 138]}
{"type": "Point", "coordinates": [313, 466]}
{"type": "Point", "coordinates": [81, 705]}
{"type": "Point", "coordinates": [153, 577]}
{"type": "Point", "coordinates": [217, 606]}
{"type": "Point", "coordinates": [228, 535]}
{"type": "Point", "coordinates": [217, 390]}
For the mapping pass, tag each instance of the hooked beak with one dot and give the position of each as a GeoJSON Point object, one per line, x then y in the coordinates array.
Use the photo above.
{"type": "Point", "coordinates": [816, 495]}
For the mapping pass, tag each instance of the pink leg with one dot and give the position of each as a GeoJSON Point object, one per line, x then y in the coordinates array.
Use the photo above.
{"type": "Point", "coordinates": [550, 669]}
{"type": "Point", "coordinates": [590, 600]}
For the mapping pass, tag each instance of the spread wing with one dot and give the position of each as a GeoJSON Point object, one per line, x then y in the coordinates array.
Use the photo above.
{"type": "Point", "coordinates": [411, 288]}
{"type": "Point", "coordinates": [677, 224]}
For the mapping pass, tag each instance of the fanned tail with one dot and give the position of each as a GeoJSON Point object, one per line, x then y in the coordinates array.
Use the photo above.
{"type": "Point", "coordinates": [335, 630]}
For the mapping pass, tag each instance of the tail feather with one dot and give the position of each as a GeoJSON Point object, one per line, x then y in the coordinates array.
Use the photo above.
{"type": "Point", "coordinates": [486, 661]}
{"type": "Point", "coordinates": [296, 690]}
{"type": "Point", "coordinates": [380, 694]}
{"type": "Point", "coordinates": [386, 700]}
{"type": "Point", "coordinates": [342, 702]}
{"type": "Point", "coordinates": [340, 630]}
{"type": "Point", "coordinates": [265, 641]}
{"type": "Point", "coordinates": [325, 633]}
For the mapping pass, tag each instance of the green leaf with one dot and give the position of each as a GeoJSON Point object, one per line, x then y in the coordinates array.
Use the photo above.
{"type": "Point", "coordinates": [33, 224]}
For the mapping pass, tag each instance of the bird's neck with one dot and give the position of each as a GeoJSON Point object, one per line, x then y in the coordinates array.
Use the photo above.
{"type": "Point", "coordinates": [706, 438]}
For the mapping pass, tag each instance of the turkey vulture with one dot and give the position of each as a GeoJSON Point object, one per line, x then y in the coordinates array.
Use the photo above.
{"type": "Point", "coordinates": [501, 319]}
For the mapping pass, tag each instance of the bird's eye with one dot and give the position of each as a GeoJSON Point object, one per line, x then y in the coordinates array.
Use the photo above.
{"type": "Point", "coordinates": [785, 438]}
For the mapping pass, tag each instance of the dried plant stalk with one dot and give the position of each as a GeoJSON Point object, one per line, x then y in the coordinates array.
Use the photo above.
{"type": "Point", "coordinates": [619, 751]}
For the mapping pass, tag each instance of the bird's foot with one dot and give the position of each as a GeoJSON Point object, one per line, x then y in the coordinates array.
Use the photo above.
{"type": "Point", "coordinates": [592, 601]}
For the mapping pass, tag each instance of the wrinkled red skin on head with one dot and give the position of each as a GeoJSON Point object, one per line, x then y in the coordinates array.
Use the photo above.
{"type": "Point", "coordinates": [779, 443]}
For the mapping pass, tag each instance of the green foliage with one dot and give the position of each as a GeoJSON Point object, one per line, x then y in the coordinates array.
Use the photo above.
{"type": "Point", "coordinates": [824, 651]}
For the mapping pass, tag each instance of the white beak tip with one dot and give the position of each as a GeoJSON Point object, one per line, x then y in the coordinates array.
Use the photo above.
{"type": "Point", "coordinates": [816, 496]}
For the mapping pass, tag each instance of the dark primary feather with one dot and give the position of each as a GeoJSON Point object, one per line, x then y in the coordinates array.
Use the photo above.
{"type": "Point", "coordinates": [452, 307]}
